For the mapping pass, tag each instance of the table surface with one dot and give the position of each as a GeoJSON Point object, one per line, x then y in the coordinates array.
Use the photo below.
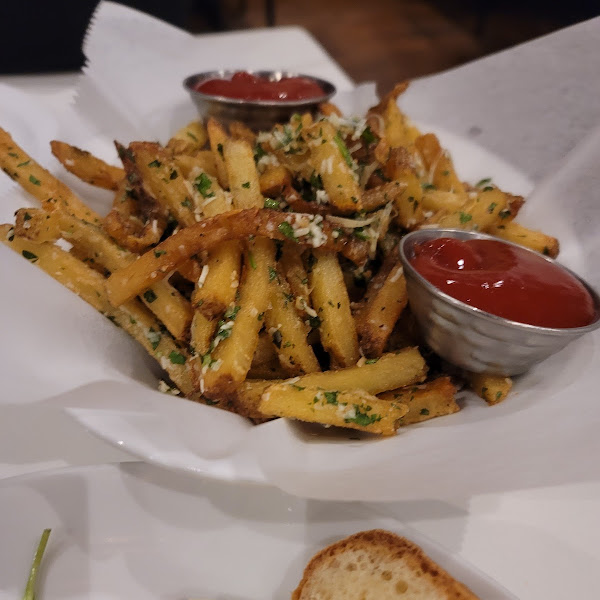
{"type": "Point", "coordinates": [539, 543]}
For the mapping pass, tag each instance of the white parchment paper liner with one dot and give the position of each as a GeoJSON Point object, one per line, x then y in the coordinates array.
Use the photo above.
{"type": "Point", "coordinates": [62, 353]}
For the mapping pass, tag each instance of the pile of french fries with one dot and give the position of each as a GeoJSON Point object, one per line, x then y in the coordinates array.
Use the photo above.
{"type": "Point", "coordinates": [261, 270]}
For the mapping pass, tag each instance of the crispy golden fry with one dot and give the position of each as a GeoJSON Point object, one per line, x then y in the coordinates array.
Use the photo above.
{"type": "Point", "coordinates": [87, 167]}
{"type": "Point", "coordinates": [96, 248]}
{"type": "Point", "coordinates": [439, 167]}
{"type": "Point", "coordinates": [438, 200]}
{"type": "Point", "coordinates": [274, 181]}
{"type": "Point", "coordinates": [41, 184]}
{"type": "Point", "coordinates": [425, 401]}
{"type": "Point", "coordinates": [217, 284]}
{"type": "Point", "coordinates": [408, 202]}
{"type": "Point", "coordinates": [330, 158]}
{"type": "Point", "coordinates": [391, 371]}
{"type": "Point", "coordinates": [203, 161]}
{"type": "Point", "coordinates": [487, 209]}
{"type": "Point", "coordinates": [88, 284]}
{"type": "Point", "coordinates": [329, 108]}
{"type": "Point", "coordinates": [214, 200]}
{"type": "Point", "coordinates": [155, 264]}
{"type": "Point", "coordinates": [536, 240]}
{"type": "Point", "coordinates": [240, 131]}
{"type": "Point", "coordinates": [397, 133]}
{"type": "Point", "coordinates": [355, 409]}
{"type": "Point", "coordinates": [249, 393]}
{"type": "Point", "coordinates": [380, 196]}
{"type": "Point", "coordinates": [38, 225]}
{"type": "Point", "coordinates": [218, 137]}
{"type": "Point", "coordinates": [332, 305]}
{"type": "Point", "coordinates": [135, 221]}
{"type": "Point", "coordinates": [492, 388]}
{"type": "Point", "coordinates": [384, 301]}
{"type": "Point", "coordinates": [152, 166]}
{"type": "Point", "coordinates": [242, 174]}
{"type": "Point", "coordinates": [188, 139]}
{"type": "Point", "coordinates": [287, 330]}
{"type": "Point", "coordinates": [236, 339]}
{"type": "Point", "coordinates": [62, 266]}
{"type": "Point", "coordinates": [292, 267]}
{"type": "Point", "coordinates": [219, 280]}
{"type": "Point", "coordinates": [140, 324]}
{"type": "Point", "coordinates": [265, 364]}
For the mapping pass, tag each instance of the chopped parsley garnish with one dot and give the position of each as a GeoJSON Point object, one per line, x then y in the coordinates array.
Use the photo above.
{"type": "Point", "coordinates": [231, 312]}
{"type": "Point", "coordinates": [29, 255]}
{"type": "Point", "coordinates": [187, 203]}
{"type": "Point", "coordinates": [159, 253]}
{"type": "Point", "coordinates": [424, 411]}
{"type": "Point", "coordinates": [362, 418]}
{"type": "Point", "coordinates": [316, 181]}
{"type": "Point", "coordinates": [483, 182]}
{"type": "Point", "coordinates": [251, 260]}
{"type": "Point", "coordinates": [314, 322]}
{"type": "Point", "coordinates": [176, 358]}
{"type": "Point", "coordinates": [368, 136]}
{"type": "Point", "coordinates": [360, 234]}
{"type": "Point", "coordinates": [258, 152]}
{"type": "Point", "coordinates": [465, 217]}
{"type": "Point", "coordinates": [286, 229]}
{"type": "Point", "coordinates": [23, 164]}
{"type": "Point", "coordinates": [26, 216]}
{"type": "Point", "coordinates": [34, 180]}
{"type": "Point", "coordinates": [492, 206]}
{"type": "Point", "coordinates": [246, 185]}
{"type": "Point", "coordinates": [150, 296]}
{"type": "Point", "coordinates": [371, 361]}
{"type": "Point", "coordinates": [498, 396]}
{"type": "Point", "coordinates": [203, 184]}
{"type": "Point", "coordinates": [220, 149]}
{"type": "Point", "coordinates": [13, 154]}
{"type": "Point", "coordinates": [331, 397]}
{"type": "Point", "coordinates": [153, 337]}
{"type": "Point", "coordinates": [270, 203]}
{"type": "Point", "coordinates": [428, 186]}
{"type": "Point", "coordinates": [272, 273]}
{"type": "Point", "coordinates": [339, 142]}
{"type": "Point", "coordinates": [190, 134]}
{"type": "Point", "coordinates": [155, 164]}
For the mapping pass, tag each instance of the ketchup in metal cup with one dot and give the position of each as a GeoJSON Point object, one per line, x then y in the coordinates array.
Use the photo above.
{"type": "Point", "coordinates": [246, 86]}
{"type": "Point", "coordinates": [506, 281]}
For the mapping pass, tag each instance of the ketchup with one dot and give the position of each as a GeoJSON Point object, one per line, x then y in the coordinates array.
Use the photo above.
{"type": "Point", "coordinates": [505, 280]}
{"type": "Point", "coordinates": [246, 86]}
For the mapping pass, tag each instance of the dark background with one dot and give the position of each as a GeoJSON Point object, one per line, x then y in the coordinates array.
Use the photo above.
{"type": "Point", "coordinates": [381, 40]}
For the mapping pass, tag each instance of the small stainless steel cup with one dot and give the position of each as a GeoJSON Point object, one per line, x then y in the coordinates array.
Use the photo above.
{"type": "Point", "coordinates": [256, 114]}
{"type": "Point", "coordinates": [471, 338]}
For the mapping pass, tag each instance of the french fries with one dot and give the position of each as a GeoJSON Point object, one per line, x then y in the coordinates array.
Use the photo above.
{"type": "Point", "coordinates": [260, 269]}
{"type": "Point", "coordinates": [354, 409]}
{"type": "Point", "coordinates": [86, 166]}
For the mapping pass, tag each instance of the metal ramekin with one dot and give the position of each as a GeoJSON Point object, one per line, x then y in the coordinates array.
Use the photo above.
{"type": "Point", "coordinates": [471, 338]}
{"type": "Point", "coordinates": [257, 114]}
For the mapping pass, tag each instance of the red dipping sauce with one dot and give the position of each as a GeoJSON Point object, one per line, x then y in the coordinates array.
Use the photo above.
{"type": "Point", "coordinates": [505, 280]}
{"type": "Point", "coordinates": [246, 86]}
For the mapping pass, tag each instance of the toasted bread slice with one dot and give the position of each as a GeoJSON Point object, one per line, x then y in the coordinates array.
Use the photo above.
{"type": "Point", "coordinates": [377, 565]}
